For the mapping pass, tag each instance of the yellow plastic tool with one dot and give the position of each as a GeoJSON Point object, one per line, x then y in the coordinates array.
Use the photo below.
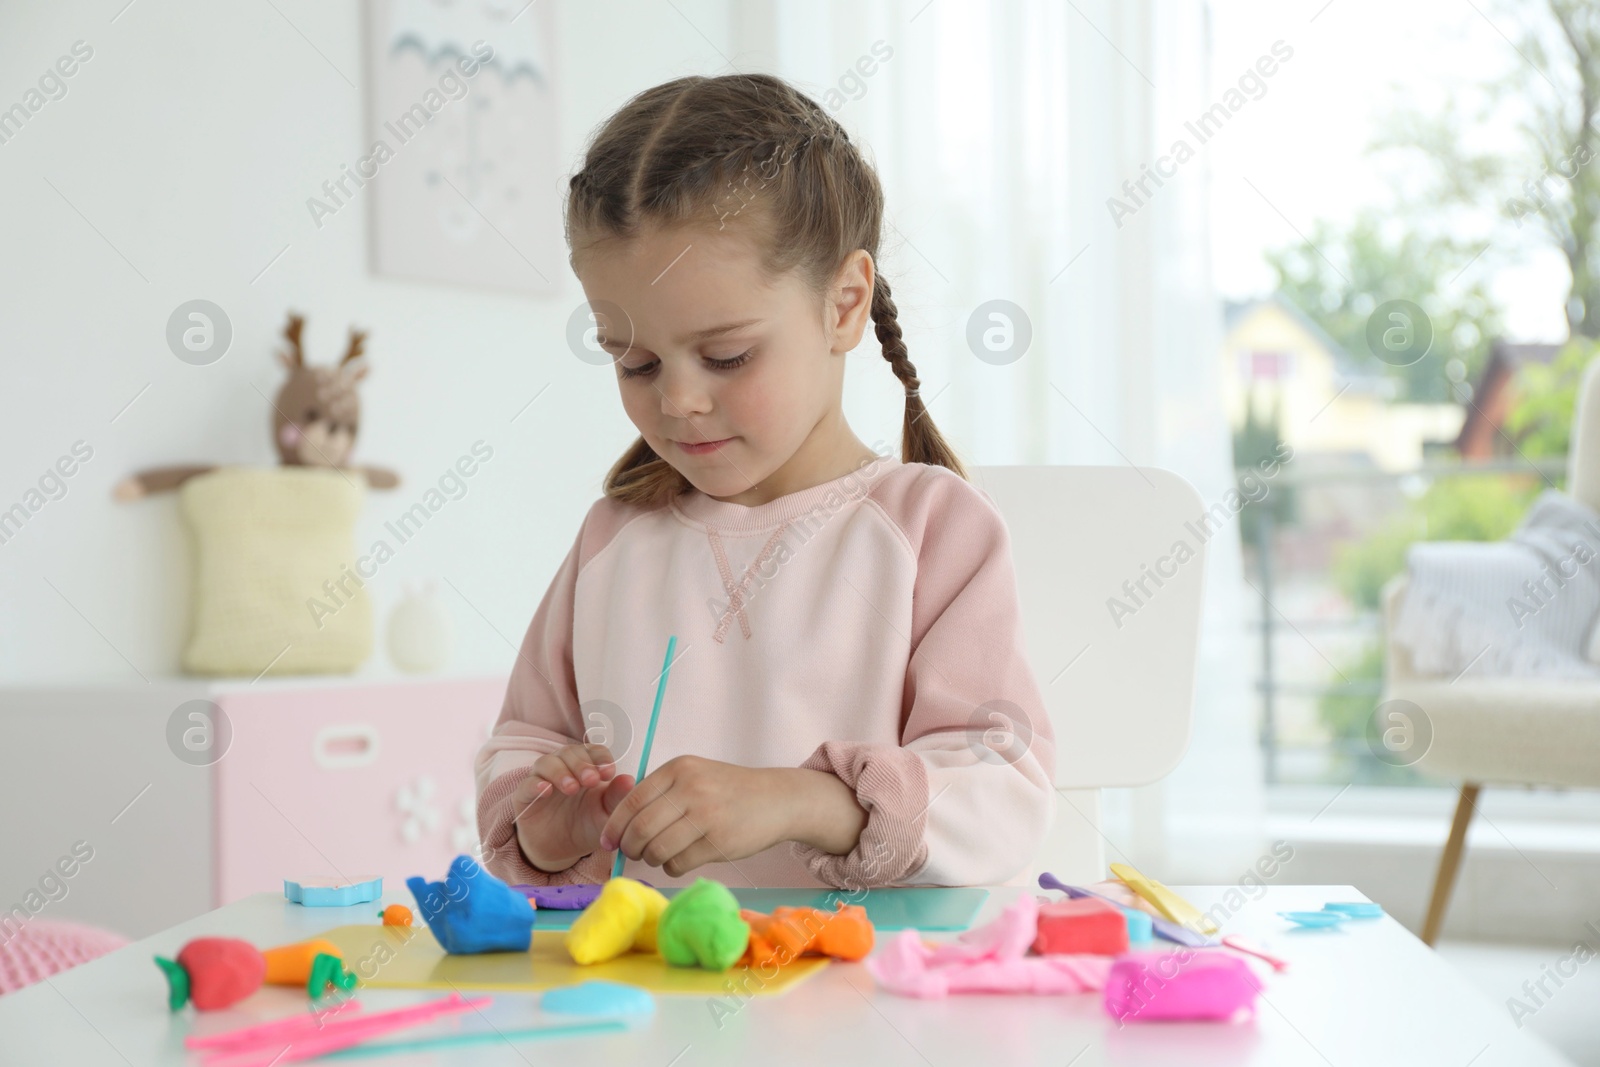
{"type": "Point", "coordinates": [1164, 900]}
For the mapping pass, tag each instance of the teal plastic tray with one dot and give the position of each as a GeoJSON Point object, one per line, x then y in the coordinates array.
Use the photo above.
{"type": "Point", "coordinates": [889, 909]}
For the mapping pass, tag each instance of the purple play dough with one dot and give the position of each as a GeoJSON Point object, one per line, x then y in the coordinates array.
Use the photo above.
{"type": "Point", "coordinates": [562, 897]}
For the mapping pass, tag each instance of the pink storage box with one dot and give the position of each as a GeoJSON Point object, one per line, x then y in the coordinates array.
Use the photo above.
{"type": "Point", "coordinates": [349, 781]}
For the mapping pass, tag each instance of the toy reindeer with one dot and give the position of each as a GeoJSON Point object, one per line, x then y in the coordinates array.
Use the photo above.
{"type": "Point", "coordinates": [315, 419]}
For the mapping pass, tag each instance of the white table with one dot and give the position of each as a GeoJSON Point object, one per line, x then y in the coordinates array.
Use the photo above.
{"type": "Point", "coordinates": [1367, 995]}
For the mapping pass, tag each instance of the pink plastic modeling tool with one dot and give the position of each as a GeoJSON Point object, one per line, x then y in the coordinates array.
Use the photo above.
{"type": "Point", "coordinates": [337, 1036]}
{"type": "Point", "coordinates": [1250, 948]}
{"type": "Point", "coordinates": [293, 1026]}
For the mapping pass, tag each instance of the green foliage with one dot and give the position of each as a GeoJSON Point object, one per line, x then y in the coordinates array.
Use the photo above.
{"type": "Point", "coordinates": [1544, 185]}
{"type": "Point", "coordinates": [1540, 420]}
{"type": "Point", "coordinates": [1345, 711]}
{"type": "Point", "coordinates": [1344, 272]}
{"type": "Point", "coordinates": [1258, 446]}
{"type": "Point", "coordinates": [1361, 569]}
{"type": "Point", "coordinates": [1455, 508]}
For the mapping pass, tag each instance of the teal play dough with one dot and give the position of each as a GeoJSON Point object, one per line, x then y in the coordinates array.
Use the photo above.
{"type": "Point", "coordinates": [701, 928]}
{"type": "Point", "coordinates": [596, 997]}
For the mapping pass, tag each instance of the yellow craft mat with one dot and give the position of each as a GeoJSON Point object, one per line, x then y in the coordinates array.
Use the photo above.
{"type": "Point", "coordinates": [392, 957]}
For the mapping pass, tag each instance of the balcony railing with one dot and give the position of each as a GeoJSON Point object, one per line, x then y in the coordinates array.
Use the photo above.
{"type": "Point", "coordinates": [1317, 651]}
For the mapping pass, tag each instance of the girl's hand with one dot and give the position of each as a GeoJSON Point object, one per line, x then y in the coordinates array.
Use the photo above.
{"type": "Point", "coordinates": [562, 804]}
{"type": "Point", "coordinates": [692, 811]}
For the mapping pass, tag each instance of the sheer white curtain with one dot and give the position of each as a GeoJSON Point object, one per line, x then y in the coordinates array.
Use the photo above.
{"type": "Point", "coordinates": [1000, 129]}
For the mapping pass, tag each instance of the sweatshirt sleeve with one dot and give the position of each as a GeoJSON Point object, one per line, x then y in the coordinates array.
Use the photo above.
{"type": "Point", "coordinates": [540, 715]}
{"type": "Point", "coordinates": [967, 796]}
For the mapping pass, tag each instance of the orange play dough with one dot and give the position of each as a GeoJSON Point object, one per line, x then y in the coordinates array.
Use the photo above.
{"type": "Point", "coordinates": [291, 964]}
{"type": "Point", "coordinates": [789, 933]}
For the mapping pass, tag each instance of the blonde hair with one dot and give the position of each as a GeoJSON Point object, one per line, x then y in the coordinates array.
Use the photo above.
{"type": "Point", "coordinates": [692, 149]}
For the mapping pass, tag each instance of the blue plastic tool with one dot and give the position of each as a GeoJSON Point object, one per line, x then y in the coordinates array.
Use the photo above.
{"type": "Point", "coordinates": [1314, 919]}
{"type": "Point", "coordinates": [1356, 909]}
{"type": "Point", "coordinates": [326, 893]}
{"type": "Point", "coordinates": [649, 737]}
{"type": "Point", "coordinates": [1140, 926]}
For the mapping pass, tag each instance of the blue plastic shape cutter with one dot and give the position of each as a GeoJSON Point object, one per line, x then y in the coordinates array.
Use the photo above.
{"type": "Point", "coordinates": [332, 893]}
{"type": "Point", "coordinates": [1356, 909]}
{"type": "Point", "coordinates": [472, 911]}
{"type": "Point", "coordinates": [1314, 918]}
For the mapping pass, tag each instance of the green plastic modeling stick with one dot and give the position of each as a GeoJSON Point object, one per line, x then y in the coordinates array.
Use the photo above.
{"type": "Point", "coordinates": [649, 737]}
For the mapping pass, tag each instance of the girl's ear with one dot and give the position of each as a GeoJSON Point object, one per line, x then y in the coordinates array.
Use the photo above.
{"type": "Point", "coordinates": [852, 300]}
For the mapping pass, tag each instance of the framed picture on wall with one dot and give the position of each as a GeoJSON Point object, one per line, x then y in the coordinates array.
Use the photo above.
{"type": "Point", "coordinates": [462, 149]}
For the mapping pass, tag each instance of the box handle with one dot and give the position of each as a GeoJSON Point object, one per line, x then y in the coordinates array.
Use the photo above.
{"type": "Point", "coordinates": [339, 748]}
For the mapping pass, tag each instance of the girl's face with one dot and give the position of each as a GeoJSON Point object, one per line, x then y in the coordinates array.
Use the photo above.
{"type": "Point", "coordinates": [734, 381]}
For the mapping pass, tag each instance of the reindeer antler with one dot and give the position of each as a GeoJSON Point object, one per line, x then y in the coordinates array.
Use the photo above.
{"type": "Point", "coordinates": [291, 333]}
{"type": "Point", "coordinates": [357, 340]}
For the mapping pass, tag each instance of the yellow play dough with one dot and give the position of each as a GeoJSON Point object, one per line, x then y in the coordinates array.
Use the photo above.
{"type": "Point", "coordinates": [623, 917]}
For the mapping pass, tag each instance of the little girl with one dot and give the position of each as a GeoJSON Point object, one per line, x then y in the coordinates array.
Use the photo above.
{"type": "Point", "coordinates": [850, 704]}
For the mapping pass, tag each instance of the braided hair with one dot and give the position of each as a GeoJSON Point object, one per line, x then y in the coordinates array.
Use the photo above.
{"type": "Point", "coordinates": [747, 146]}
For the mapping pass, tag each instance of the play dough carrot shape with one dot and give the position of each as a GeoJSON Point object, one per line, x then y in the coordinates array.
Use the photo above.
{"type": "Point", "coordinates": [1164, 900]}
{"type": "Point", "coordinates": [291, 964]}
{"type": "Point", "coordinates": [315, 964]}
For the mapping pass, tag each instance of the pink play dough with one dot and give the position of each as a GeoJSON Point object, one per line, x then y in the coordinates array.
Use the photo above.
{"type": "Point", "coordinates": [1185, 984]}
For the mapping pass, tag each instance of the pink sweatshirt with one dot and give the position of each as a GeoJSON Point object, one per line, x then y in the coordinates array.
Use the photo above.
{"type": "Point", "coordinates": [867, 627]}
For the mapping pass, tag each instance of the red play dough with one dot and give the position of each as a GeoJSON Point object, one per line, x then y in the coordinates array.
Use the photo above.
{"type": "Point", "coordinates": [222, 970]}
{"type": "Point", "coordinates": [1086, 925]}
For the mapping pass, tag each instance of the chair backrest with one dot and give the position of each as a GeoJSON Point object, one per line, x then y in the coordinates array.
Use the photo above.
{"type": "Point", "coordinates": [1583, 450]}
{"type": "Point", "coordinates": [1110, 564]}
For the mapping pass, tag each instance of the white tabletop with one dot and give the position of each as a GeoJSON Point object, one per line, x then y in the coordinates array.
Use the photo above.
{"type": "Point", "coordinates": [1368, 994]}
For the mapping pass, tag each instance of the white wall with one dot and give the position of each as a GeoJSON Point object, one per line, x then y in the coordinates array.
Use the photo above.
{"type": "Point", "coordinates": [190, 141]}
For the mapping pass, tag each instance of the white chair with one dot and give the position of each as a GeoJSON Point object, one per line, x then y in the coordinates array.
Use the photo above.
{"type": "Point", "coordinates": [1507, 731]}
{"type": "Point", "coordinates": [1119, 687]}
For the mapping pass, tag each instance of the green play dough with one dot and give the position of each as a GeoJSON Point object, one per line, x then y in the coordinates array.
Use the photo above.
{"type": "Point", "coordinates": [701, 928]}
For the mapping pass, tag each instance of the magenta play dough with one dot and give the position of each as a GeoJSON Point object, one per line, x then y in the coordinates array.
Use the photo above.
{"type": "Point", "coordinates": [597, 997]}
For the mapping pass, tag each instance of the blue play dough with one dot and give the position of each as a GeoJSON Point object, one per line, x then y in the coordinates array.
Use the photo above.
{"type": "Point", "coordinates": [596, 997]}
{"type": "Point", "coordinates": [472, 911]}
